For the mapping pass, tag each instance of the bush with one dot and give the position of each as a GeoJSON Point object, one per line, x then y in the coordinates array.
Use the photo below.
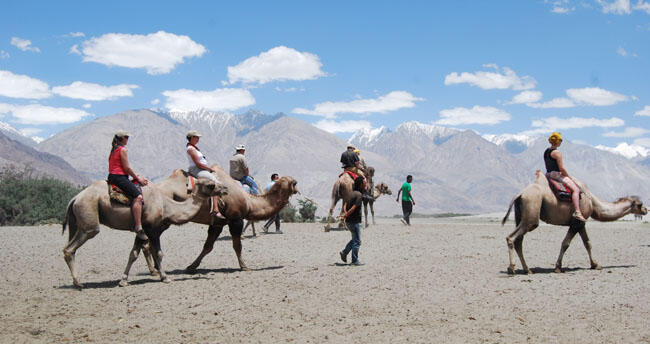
{"type": "Point", "coordinates": [28, 200]}
{"type": "Point", "coordinates": [288, 213]}
{"type": "Point", "coordinates": [307, 210]}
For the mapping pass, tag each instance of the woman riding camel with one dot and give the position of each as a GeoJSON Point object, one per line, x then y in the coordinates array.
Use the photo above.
{"type": "Point", "coordinates": [119, 171]}
{"type": "Point", "coordinates": [199, 167]}
{"type": "Point", "coordinates": [556, 171]}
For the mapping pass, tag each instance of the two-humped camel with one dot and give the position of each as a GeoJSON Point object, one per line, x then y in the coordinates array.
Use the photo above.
{"type": "Point", "coordinates": [537, 201]}
{"type": "Point", "coordinates": [343, 187]}
{"type": "Point", "coordinates": [236, 206]}
{"type": "Point", "coordinates": [92, 207]}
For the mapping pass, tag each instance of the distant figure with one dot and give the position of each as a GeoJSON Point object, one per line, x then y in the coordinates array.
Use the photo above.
{"type": "Point", "coordinates": [352, 216]}
{"type": "Point", "coordinates": [119, 171]}
{"type": "Point", "coordinates": [275, 218]}
{"type": "Point", "coordinates": [239, 169]}
{"type": "Point", "coordinates": [362, 163]}
{"type": "Point", "coordinates": [555, 170]}
{"type": "Point", "coordinates": [407, 200]}
{"type": "Point", "coordinates": [350, 161]}
{"type": "Point", "coordinates": [199, 167]}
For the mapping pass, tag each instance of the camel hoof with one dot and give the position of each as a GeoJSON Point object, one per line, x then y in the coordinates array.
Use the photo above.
{"type": "Point", "coordinates": [78, 284]}
{"type": "Point", "coordinates": [191, 269]}
{"type": "Point", "coordinates": [558, 270]}
{"type": "Point", "coordinates": [597, 267]}
{"type": "Point", "coordinates": [155, 273]}
{"type": "Point", "coordinates": [166, 280]}
{"type": "Point", "coordinates": [326, 229]}
{"type": "Point", "coordinates": [245, 268]}
{"type": "Point", "coordinates": [529, 272]}
{"type": "Point", "coordinates": [123, 283]}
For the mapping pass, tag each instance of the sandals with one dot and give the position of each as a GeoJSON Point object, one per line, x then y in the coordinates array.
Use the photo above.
{"type": "Point", "coordinates": [578, 216]}
{"type": "Point", "coordinates": [140, 234]}
{"type": "Point", "coordinates": [217, 214]}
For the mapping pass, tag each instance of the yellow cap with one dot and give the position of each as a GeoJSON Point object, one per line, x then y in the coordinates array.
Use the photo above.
{"type": "Point", "coordinates": [357, 151]}
{"type": "Point", "coordinates": [555, 138]}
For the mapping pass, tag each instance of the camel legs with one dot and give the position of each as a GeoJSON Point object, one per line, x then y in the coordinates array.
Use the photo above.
{"type": "Point", "coordinates": [146, 252]}
{"type": "Point", "coordinates": [565, 245]}
{"type": "Point", "coordinates": [69, 251]}
{"type": "Point", "coordinates": [587, 243]}
{"type": "Point", "coordinates": [330, 218]}
{"type": "Point", "coordinates": [514, 241]}
{"type": "Point", "coordinates": [133, 255]}
{"type": "Point", "coordinates": [252, 225]}
{"type": "Point", "coordinates": [365, 212]}
{"type": "Point", "coordinates": [156, 250]}
{"type": "Point", "coordinates": [372, 211]}
{"type": "Point", "coordinates": [235, 232]}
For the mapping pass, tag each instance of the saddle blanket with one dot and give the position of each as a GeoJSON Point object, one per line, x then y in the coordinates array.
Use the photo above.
{"type": "Point", "coordinates": [562, 191]}
{"type": "Point", "coordinates": [116, 194]}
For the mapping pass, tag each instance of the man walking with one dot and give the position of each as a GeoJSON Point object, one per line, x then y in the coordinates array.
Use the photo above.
{"type": "Point", "coordinates": [352, 216]}
{"type": "Point", "coordinates": [407, 200]}
{"type": "Point", "coordinates": [275, 218]}
{"type": "Point", "coordinates": [239, 169]}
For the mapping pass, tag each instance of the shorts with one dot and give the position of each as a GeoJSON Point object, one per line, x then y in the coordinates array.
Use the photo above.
{"type": "Point", "coordinates": [123, 182]}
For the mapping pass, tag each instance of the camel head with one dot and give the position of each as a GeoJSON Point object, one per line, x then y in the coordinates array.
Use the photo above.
{"type": "Point", "coordinates": [286, 186]}
{"type": "Point", "coordinates": [637, 205]}
{"type": "Point", "coordinates": [206, 188]}
{"type": "Point", "coordinates": [383, 189]}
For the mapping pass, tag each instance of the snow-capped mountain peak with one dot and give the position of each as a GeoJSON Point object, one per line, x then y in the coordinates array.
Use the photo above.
{"type": "Point", "coordinates": [626, 150]}
{"type": "Point", "coordinates": [367, 136]}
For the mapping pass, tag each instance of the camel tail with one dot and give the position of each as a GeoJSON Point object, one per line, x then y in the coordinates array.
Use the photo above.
{"type": "Point", "coordinates": [70, 220]}
{"type": "Point", "coordinates": [515, 201]}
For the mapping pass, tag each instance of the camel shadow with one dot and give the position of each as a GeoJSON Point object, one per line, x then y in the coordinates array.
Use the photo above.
{"type": "Point", "coordinates": [109, 284]}
{"type": "Point", "coordinates": [221, 270]}
{"type": "Point", "coordinates": [538, 270]}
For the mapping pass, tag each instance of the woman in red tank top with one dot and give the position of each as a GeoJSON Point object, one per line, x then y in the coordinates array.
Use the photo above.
{"type": "Point", "coordinates": [119, 171]}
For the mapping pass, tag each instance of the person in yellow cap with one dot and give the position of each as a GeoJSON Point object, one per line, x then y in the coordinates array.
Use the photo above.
{"type": "Point", "coordinates": [350, 161]}
{"type": "Point", "coordinates": [555, 170]}
{"type": "Point", "coordinates": [362, 163]}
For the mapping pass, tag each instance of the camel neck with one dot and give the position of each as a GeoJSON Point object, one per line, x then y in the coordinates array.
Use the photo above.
{"type": "Point", "coordinates": [606, 211]}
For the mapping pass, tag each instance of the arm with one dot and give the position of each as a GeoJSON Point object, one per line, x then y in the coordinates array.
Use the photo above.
{"type": "Point", "coordinates": [197, 161]}
{"type": "Point", "coordinates": [411, 195]}
{"type": "Point", "coordinates": [347, 213]}
{"type": "Point", "coordinates": [127, 168]}
{"type": "Point", "coordinates": [398, 192]}
{"type": "Point", "coordinates": [557, 155]}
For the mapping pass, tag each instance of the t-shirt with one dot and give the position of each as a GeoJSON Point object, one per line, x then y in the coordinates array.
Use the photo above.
{"type": "Point", "coordinates": [268, 187]}
{"type": "Point", "coordinates": [355, 199]}
{"type": "Point", "coordinates": [238, 166]}
{"type": "Point", "coordinates": [349, 159]}
{"type": "Point", "coordinates": [406, 192]}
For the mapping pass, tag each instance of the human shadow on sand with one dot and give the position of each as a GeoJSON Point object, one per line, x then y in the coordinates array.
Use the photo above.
{"type": "Point", "coordinates": [538, 270]}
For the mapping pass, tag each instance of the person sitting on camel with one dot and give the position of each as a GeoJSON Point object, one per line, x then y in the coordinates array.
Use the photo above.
{"type": "Point", "coordinates": [556, 171]}
{"type": "Point", "coordinates": [350, 161]}
{"type": "Point", "coordinates": [199, 168]}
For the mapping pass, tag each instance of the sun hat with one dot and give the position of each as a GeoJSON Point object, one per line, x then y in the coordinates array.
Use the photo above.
{"type": "Point", "coordinates": [240, 147]}
{"type": "Point", "coordinates": [192, 133]}
{"type": "Point", "coordinates": [555, 138]}
{"type": "Point", "coordinates": [350, 146]}
{"type": "Point", "coordinates": [122, 133]}
{"type": "Point", "coordinates": [357, 151]}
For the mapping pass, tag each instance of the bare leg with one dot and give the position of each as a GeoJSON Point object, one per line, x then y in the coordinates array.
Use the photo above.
{"type": "Point", "coordinates": [234, 226]}
{"type": "Point", "coordinates": [213, 234]}
{"type": "Point", "coordinates": [70, 250]}
{"type": "Point", "coordinates": [136, 209]}
{"type": "Point", "coordinates": [133, 256]}
{"type": "Point", "coordinates": [565, 245]}
{"type": "Point", "coordinates": [587, 243]}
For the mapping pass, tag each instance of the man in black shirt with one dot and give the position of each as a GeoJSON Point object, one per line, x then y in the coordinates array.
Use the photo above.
{"type": "Point", "coordinates": [352, 216]}
{"type": "Point", "coordinates": [350, 161]}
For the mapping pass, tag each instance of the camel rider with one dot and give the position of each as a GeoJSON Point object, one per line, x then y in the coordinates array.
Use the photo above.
{"type": "Point", "coordinates": [556, 171]}
{"type": "Point", "coordinates": [350, 161]}
{"type": "Point", "coordinates": [119, 171]}
{"type": "Point", "coordinates": [239, 169]}
{"type": "Point", "coordinates": [362, 163]}
{"type": "Point", "coordinates": [199, 167]}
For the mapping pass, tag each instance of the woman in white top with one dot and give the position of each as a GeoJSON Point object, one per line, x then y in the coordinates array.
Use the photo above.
{"type": "Point", "coordinates": [199, 167]}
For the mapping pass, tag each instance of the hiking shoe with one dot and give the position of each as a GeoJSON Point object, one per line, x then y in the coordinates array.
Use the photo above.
{"type": "Point", "coordinates": [404, 222]}
{"type": "Point", "coordinates": [278, 232]}
{"type": "Point", "coordinates": [578, 216]}
{"type": "Point", "coordinates": [357, 263]}
{"type": "Point", "coordinates": [344, 257]}
{"type": "Point", "coordinates": [141, 235]}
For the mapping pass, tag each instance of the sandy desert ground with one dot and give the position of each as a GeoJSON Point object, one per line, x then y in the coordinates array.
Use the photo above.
{"type": "Point", "coordinates": [440, 281]}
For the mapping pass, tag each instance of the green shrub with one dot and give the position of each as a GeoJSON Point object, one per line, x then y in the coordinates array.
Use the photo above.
{"type": "Point", "coordinates": [288, 213]}
{"type": "Point", "coordinates": [307, 210]}
{"type": "Point", "coordinates": [29, 200]}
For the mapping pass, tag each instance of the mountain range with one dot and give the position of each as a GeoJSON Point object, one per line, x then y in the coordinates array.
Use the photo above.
{"type": "Point", "coordinates": [454, 170]}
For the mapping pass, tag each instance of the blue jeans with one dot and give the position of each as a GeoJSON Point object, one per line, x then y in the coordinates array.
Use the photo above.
{"type": "Point", "coordinates": [354, 244]}
{"type": "Point", "coordinates": [251, 183]}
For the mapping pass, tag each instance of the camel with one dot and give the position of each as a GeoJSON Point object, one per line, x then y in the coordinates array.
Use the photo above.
{"type": "Point", "coordinates": [377, 190]}
{"type": "Point", "coordinates": [92, 207]}
{"type": "Point", "coordinates": [343, 187]}
{"type": "Point", "coordinates": [237, 206]}
{"type": "Point", "coordinates": [537, 201]}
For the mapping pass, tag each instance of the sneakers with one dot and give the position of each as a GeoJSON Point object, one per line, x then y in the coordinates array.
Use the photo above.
{"type": "Point", "coordinates": [344, 257]}
{"type": "Point", "coordinates": [141, 235]}
{"type": "Point", "coordinates": [278, 231]}
{"type": "Point", "coordinates": [404, 222]}
{"type": "Point", "coordinates": [357, 263]}
{"type": "Point", "coordinates": [578, 216]}
{"type": "Point", "coordinates": [266, 229]}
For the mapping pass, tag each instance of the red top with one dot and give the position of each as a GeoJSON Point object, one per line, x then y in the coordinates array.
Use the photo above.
{"type": "Point", "coordinates": [115, 162]}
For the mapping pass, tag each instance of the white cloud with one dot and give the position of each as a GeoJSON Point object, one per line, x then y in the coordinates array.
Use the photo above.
{"type": "Point", "coordinates": [36, 114]}
{"type": "Point", "coordinates": [155, 101]}
{"type": "Point", "coordinates": [87, 106]}
{"type": "Point", "coordinates": [77, 34]}
{"type": "Point", "coordinates": [628, 132]}
{"type": "Point", "coordinates": [4, 54]}
{"type": "Point", "coordinates": [643, 112]}
{"type": "Point", "coordinates": [526, 97]}
{"type": "Point", "coordinates": [342, 126]}
{"type": "Point", "coordinates": [290, 89]}
{"type": "Point", "coordinates": [75, 50]}
{"type": "Point", "coordinates": [642, 6]}
{"type": "Point", "coordinates": [560, 9]}
{"type": "Point", "coordinates": [30, 131]}
{"type": "Point", "coordinates": [221, 99]}
{"type": "Point", "coordinates": [21, 86]}
{"type": "Point", "coordinates": [621, 51]}
{"type": "Point", "coordinates": [626, 150]}
{"type": "Point", "coordinates": [645, 142]}
{"type": "Point", "coordinates": [278, 64]}
{"type": "Point", "coordinates": [595, 96]}
{"type": "Point", "coordinates": [89, 91]}
{"type": "Point", "coordinates": [616, 7]}
{"type": "Point", "coordinates": [24, 44]}
{"type": "Point", "coordinates": [505, 79]}
{"type": "Point", "coordinates": [556, 123]}
{"type": "Point", "coordinates": [393, 101]}
{"type": "Point", "coordinates": [158, 52]}
{"type": "Point", "coordinates": [476, 115]}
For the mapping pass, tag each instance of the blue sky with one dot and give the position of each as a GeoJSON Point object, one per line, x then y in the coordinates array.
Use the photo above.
{"type": "Point", "coordinates": [496, 67]}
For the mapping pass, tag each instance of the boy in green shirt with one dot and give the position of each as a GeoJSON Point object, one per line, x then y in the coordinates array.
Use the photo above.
{"type": "Point", "coordinates": [407, 200]}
